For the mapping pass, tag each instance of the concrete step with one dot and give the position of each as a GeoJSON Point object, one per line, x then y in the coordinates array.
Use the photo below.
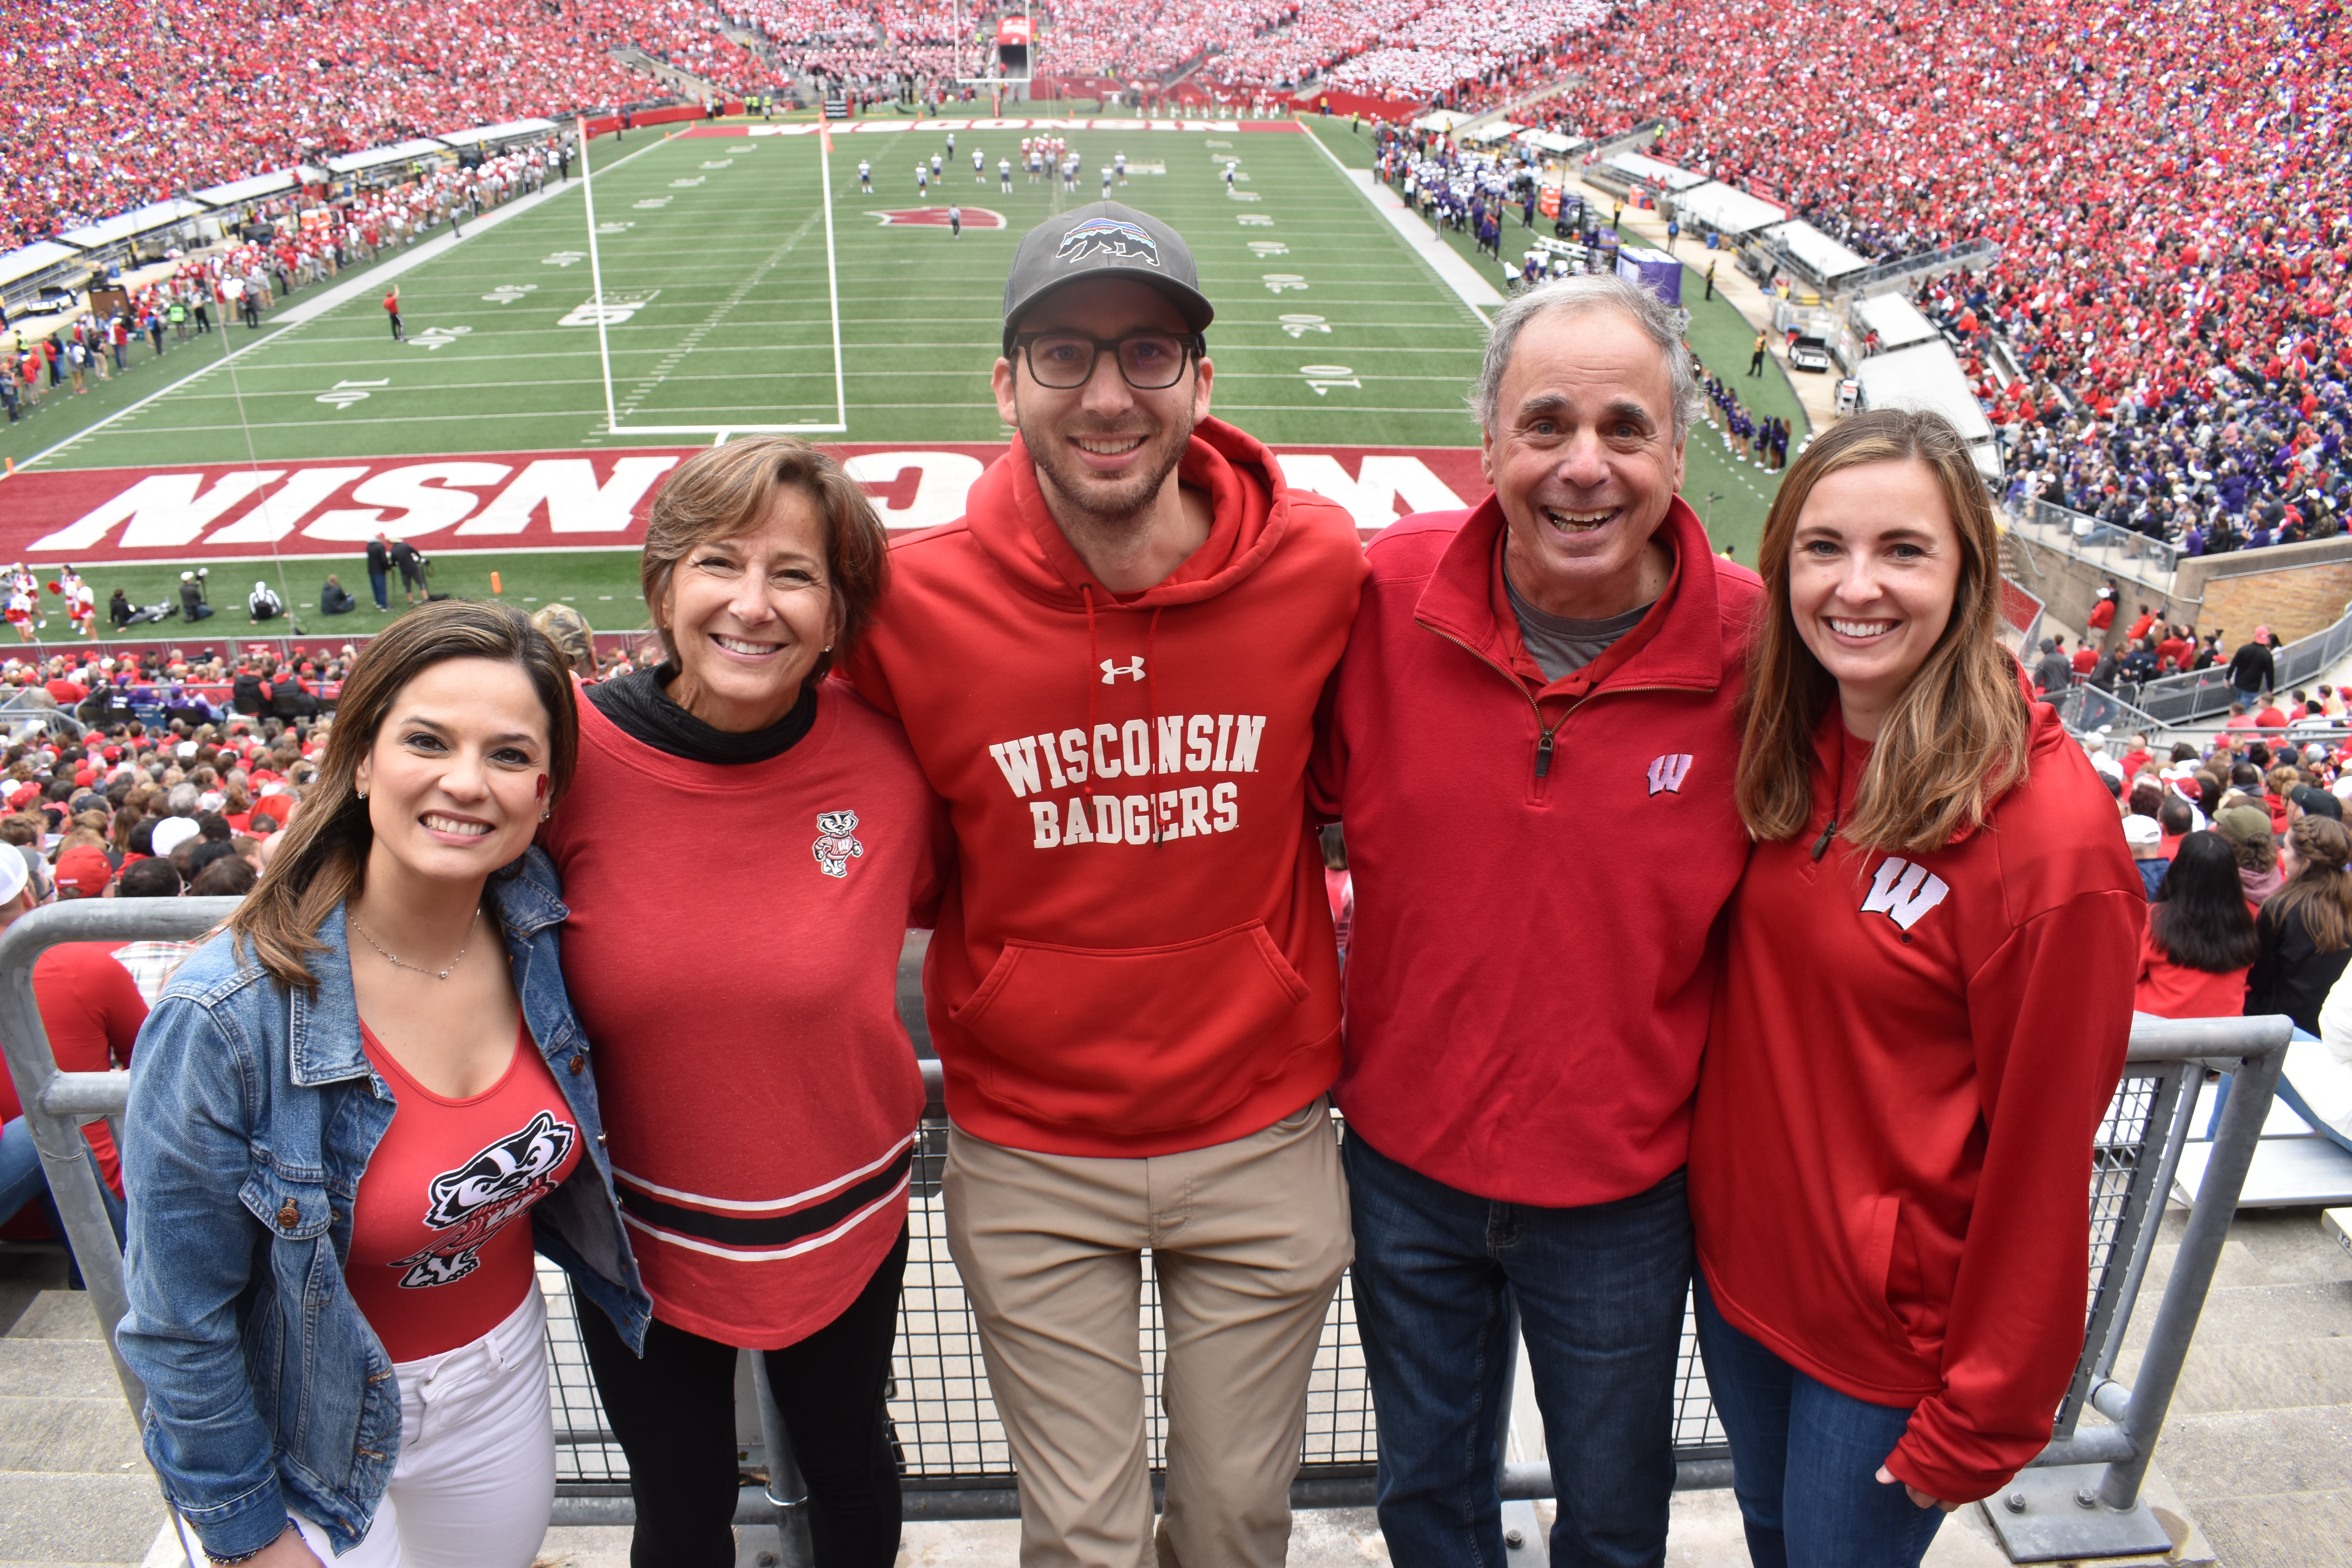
{"type": "Point", "coordinates": [60, 1315]}
{"type": "Point", "coordinates": [74, 1487]}
{"type": "Point", "coordinates": [91, 1521]}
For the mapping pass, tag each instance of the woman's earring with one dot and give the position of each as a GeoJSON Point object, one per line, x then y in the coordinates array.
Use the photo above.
{"type": "Point", "coordinates": [361, 794]}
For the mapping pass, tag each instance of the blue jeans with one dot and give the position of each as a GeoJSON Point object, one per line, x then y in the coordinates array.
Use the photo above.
{"type": "Point", "coordinates": [23, 1181]}
{"type": "Point", "coordinates": [1600, 1294]}
{"type": "Point", "coordinates": [1805, 1460]}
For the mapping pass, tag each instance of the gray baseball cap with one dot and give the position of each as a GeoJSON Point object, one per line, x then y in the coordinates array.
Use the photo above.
{"type": "Point", "coordinates": [1099, 238]}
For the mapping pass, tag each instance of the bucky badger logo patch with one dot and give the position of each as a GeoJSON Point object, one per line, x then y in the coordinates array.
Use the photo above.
{"type": "Point", "coordinates": [474, 1201]}
{"type": "Point", "coordinates": [834, 848]}
{"type": "Point", "coordinates": [1106, 235]}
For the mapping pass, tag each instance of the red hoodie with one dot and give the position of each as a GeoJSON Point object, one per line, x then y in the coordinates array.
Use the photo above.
{"type": "Point", "coordinates": [1137, 957]}
{"type": "Point", "coordinates": [1540, 868]}
{"type": "Point", "coordinates": [1910, 1056]}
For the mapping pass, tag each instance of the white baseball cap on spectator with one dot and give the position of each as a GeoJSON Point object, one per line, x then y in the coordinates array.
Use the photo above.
{"type": "Point", "coordinates": [14, 874]}
{"type": "Point", "coordinates": [171, 832]}
{"type": "Point", "coordinates": [2143, 835]}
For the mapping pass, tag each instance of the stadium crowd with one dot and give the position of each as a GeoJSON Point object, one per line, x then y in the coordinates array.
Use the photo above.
{"type": "Point", "coordinates": [110, 107]}
{"type": "Point", "coordinates": [295, 244]}
{"type": "Point", "coordinates": [2164, 182]}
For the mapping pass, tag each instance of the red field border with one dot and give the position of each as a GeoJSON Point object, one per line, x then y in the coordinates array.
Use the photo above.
{"type": "Point", "coordinates": [507, 502]}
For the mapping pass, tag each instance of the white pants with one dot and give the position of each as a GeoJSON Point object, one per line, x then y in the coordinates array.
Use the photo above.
{"type": "Point", "coordinates": [476, 1475]}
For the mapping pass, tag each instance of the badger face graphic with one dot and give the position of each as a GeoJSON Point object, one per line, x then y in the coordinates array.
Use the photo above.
{"type": "Point", "coordinates": [1106, 236]}
{"type": "Point", "coordinates": [474, 1201]}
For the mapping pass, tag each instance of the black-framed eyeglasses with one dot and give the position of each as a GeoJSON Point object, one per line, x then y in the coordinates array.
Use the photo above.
{"type": "Point", "coordinates": [1152, 362]}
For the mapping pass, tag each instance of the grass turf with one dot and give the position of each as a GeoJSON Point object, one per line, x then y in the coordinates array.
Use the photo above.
{"type": "Point", "coordinates": [601, 584]}
{"type": "Point", "coordinates": [715, 249]}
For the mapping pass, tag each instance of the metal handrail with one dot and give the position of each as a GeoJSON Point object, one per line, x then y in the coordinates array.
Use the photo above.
{"type": "Point", "coordinates": [56, 1104]}
{"type": "Point", "coordinates": [2252, 1049]}
{"type": "Point", "coordinates": [2082, 531]}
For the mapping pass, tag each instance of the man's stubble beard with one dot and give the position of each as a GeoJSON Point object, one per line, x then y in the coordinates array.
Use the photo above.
{"type": "Point", "coordinates": [1114, 519]}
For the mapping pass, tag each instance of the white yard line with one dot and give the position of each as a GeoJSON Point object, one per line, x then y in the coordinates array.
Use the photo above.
{"type": "Point", "coordinates": [1425, 242]}
{"type": "Point", "coordinates": [312, 307]}
{"type": "Point", "coordinates": [210, 366]}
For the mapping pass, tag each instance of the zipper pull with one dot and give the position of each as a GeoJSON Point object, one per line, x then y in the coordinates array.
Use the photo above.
{"type": "Point", "coordinates": [1543, 755]}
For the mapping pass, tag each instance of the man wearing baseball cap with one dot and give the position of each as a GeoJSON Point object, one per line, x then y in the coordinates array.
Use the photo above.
{"type": "Point", "coordinates": [1111, 668]}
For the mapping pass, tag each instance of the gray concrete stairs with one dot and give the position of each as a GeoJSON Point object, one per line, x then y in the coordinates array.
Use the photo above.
{"type": "Point", "coordinates": [74, 1487]}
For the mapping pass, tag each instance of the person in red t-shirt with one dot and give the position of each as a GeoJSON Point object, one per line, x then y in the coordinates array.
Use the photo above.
{"type": "Point", "coordinates": [91, 1012]}
{"type": "Point", "coordinates": [1938, 891]}
{"type": "Point", "coordinates": [2201, 936]}
{"type": "Point", "coordinates": [358, 1023]}
{"type": "Point", "coordinates": [392, 309]}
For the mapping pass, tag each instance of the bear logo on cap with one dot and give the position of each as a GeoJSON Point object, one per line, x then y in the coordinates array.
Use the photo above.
{"type": "Point", "coordinates": [1110, 236]}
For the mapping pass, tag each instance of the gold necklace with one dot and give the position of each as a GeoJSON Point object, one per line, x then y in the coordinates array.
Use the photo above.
{"type": "Point", "coordinates": [397, 963]}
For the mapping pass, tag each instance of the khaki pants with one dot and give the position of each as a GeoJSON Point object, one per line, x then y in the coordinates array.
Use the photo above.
{"type": "Point", "coordinates": [1248, 1241]}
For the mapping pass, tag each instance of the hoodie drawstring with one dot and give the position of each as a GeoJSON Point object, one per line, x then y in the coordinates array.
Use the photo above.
{"type": "Point", "coordinates": [1151, 690]}
{"type": "Point", "coordinates": [1094, 654]}
{"type": "Point", "coordinates": [1151, 699]}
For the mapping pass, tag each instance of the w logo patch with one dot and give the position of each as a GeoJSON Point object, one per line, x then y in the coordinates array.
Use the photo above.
{"type": "Point", "coordinates": [1668, 772]}
{"type": "Point", "coordinates": [1903, 893]}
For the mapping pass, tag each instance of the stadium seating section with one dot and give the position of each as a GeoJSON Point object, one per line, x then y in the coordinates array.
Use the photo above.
{"type": "Point", "coordinates": [2166, 179]}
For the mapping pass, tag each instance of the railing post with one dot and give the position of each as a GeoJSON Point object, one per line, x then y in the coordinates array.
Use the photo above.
{"type": "Point", "coordinates": [2193, 1270]}
{"type": "Point", "coordinates": [2081, 1499]}
{"type": "Point", "coordinates": [56, 1104]}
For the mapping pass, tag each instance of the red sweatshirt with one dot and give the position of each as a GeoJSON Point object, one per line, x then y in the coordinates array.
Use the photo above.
{"type": "Point", "coordinates": [732, 952]}
{"type": "Point", "coordinates": [1137, 957]}
{"type": "Point", "coordinates": [1876, 1199]}
{"type": "Point", "coordinates": [1539, 867]}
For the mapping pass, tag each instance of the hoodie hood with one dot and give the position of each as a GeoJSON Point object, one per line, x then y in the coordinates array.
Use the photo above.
{"type": "Point", "coordinates": [1250, 506]}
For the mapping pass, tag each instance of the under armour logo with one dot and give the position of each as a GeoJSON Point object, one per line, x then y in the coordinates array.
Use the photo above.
{"type": "Point", "coordinates": [1132, 669]}
{"type": "Point", "coordinates": [1668, 772]}
{"type": "Point", "coordinates": [1903, 893]}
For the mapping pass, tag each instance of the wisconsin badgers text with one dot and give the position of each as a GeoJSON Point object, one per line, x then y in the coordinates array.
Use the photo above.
{"type": "Point", "coordinates": [1194, 743]}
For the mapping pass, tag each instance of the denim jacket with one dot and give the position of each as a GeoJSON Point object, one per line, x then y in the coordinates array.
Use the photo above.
{"type": "Point", "coordinates": [252, 1114]}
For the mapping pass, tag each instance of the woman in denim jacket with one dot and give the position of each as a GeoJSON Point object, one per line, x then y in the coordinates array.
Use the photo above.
{"type": "Point", "coordinates": [335, 1115]}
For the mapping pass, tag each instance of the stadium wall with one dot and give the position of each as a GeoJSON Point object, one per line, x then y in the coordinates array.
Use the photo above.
{"type": "Point", "coordinates": [1364, 104]}
{"type": "Point", "coordinates": [2295, 589]}
{"type": "Point", "coordinates": [2294, 597]}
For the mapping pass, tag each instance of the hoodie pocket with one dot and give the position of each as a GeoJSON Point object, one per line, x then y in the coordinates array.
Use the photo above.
{"type": "Point", "coordinates": [1137, 1039]}
{"type": "Point", "coordinates": [1890, 1268]}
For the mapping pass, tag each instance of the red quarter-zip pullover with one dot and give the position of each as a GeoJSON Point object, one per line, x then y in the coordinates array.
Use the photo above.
{"type": "Point", "coordinates": [1910, 1056]}
{"type": "Point", "coordinates": [1539, 867]}
{"type": "Point", "coordinates": [1137, 957]}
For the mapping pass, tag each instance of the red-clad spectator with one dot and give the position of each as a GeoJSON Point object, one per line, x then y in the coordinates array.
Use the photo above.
{"type": "Point", "coordinates": [2201, 936]}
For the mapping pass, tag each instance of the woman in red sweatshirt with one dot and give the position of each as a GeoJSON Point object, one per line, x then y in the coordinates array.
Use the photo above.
{"type": "Point", "coordinates": [1926, 1000]}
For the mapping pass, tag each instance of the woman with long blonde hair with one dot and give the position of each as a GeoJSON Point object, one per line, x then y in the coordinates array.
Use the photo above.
{"type": "Point", "coordinates": [1927, 999]}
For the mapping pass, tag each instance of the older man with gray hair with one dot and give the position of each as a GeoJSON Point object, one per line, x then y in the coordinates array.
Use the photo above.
{"type": "Point", "coordinates": [1532, 746]}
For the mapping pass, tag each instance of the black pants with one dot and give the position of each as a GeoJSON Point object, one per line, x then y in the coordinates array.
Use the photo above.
{"type": "Point", "coordinates": [674, 1413]}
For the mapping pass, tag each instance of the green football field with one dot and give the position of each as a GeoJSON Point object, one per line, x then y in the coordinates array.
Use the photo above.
{"type": "Point", "coordinates": [732, 298]}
